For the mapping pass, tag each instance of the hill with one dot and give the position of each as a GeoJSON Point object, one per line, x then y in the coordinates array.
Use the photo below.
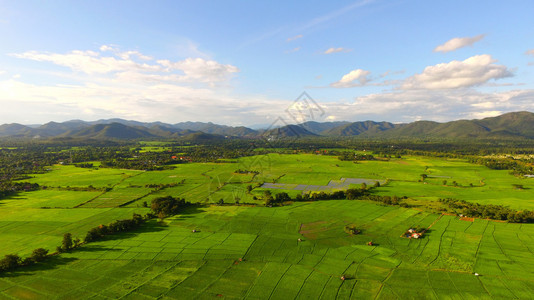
{"type": "Point", "coordinates": [510, 125]}
{"type": "Point", "coordinates": [110, 131]}
{"type": "Point", "coordinates": [16, 129]}
{"type": "Point", "coordinates": [289, 131]}
{"type": "Point", "coordinates": [367, 128]}
{"type": "Point", "coordinates": [322, 128]}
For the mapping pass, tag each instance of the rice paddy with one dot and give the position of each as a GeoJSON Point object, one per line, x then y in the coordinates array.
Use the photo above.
{"type": "Point", "coordinates": [298, 251]}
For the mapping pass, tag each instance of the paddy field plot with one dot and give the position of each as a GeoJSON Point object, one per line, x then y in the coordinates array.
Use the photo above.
{"type": "Point", "coordinates": [473, 182]}
{"type": "Point", "coordinates": [240, 252]}
{"type": "Point", "coordinates": [169, 261]}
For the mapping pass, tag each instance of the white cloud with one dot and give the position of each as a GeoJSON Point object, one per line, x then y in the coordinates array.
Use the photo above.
{"type": "Point", "coordinates": [127, 84]}
{"type": "Point", "coordinates": [148, 101]}
{"type": "Point", "coordinates": [296, 37]}
{"type": "Point", "coordinates": [89, 62]}
{"type": "Point", "coordinates": [104, 48]}
{"type": "Point", "coordinates": [437, 105]}
{"type": "Point", "coordinates": [354, 78]}
{"type": "Point", "coordinates": [530, 52]}
{"type": "Point", "coordinates": [200, 70]}
{"type": "Point", "coordinates": [473, 71]}
{"type": "Point", "coordinates": [126, 65]}
{"type": "Point", "coordinates": [336, 50]}
{"type": "Point", "coordinates": [457, 43]}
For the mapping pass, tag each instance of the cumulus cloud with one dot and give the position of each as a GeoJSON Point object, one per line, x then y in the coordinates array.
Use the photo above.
{"type": "Point", "coordinates": [473, 71]}
{"type": "Point", "coordinates": [296, 37]}
{"type": "Point", "coordinates": [89, 62]}
{"type": "Point", "coordinates": [133, 64]}
{"type": "Point", "coordinates": [199, 69]}
{"type": "Point", "coordinates": [145, 102]}
{"type": "Point", "coordinates": [457, 43]}
{"type": "Point", "coordinates": [437, 105]}
{"type": "Point", "coordinates": [354, 78]}
{"type": "Point", "coordinates": [128, 84]}
{"type": "Point", "coordinates": [336, 50]}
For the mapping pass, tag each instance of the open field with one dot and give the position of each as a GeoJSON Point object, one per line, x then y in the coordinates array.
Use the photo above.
{"type": "Point", "coordinates": [169, 261]}
{"type": "Point", "coordinates": [210, 182]}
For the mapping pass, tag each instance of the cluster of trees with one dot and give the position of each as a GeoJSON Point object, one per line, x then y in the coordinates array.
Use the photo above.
{"type": "Point", "coordinates": [140, 164]}
{"type": "Point", "coordinates": [11, 262]}
{"type": "Point", "coordinates": [490, 211]}
{"type": "Point", "coordinates": [9, 188]}
{"type": "Point", "coordinates": [68, 243]}
{"type": "Point", "coordinates": [351, 156]}
{"type": "Point", "coordinates": [168, 206]}
{"type": "Point", "coordinates": [101, 231]}
{"type": "Point", "coordinates": [516, 166]}
{"type": "Point", "coordinates": [362, 193]}
{"type": "Point", "coordinates": [84, 165]}
{"type": "Point", "coordinates": [89, 188]}
{"type": "Point", "coordinates": [239, 171]}
{"type": "Point", "coordinates": [159, 186]}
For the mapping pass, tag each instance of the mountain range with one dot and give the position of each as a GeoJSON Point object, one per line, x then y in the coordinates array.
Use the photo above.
{"type": "Point", "coordinates": [509, 125]}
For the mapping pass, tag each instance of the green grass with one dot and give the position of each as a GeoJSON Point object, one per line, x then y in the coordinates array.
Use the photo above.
{"type": "Point", "coordinates": [167, 260]}
{"type": "Point", "coordinates": [81, 177]}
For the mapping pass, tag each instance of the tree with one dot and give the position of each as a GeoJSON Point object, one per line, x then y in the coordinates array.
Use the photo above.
{"type": "Point", "coordinates": [282, 197]}
{"type": "Point", "coordinates": [10, 262]}
{"type": "Point", "coordinates": [444, 182]}
{"type": "Point", "coordinates": [67, 243]}
{"type": "Point", "coordinates": [39, 254]}
{"type": "Point", "coordinates": [423, 177]}
{"type": "Point", "coordinates": [167, 206]}
{"type": "Point", "coordinates": [363, 186]}
{"type": "Point", "coordinates": [268, 198]}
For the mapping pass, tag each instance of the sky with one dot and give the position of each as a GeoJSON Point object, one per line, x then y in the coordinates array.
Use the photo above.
{"type": "Point", "coordinates": [256, 63]}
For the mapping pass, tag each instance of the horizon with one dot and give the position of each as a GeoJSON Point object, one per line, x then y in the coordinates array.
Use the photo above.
{"type": "Point", "coordinates": [254, 126]}
{"type": "Point", "coordinates": [233, 64]}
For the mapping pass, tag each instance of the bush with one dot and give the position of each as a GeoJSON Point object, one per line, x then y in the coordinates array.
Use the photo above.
{"type": "Point", "coordinates": [99, 232]}
{"type": "Point", "coordinates": [67, 244]}
{"type": "Point", "coordinates": [39, 254]}
{"type": "Point", "coordinates": [10, 262]}
{"type": "Point", "coordinates": [168, 206]}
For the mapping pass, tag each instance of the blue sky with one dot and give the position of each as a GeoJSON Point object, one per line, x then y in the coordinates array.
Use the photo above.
{"type": "Point", "coordinates": [246, 62]}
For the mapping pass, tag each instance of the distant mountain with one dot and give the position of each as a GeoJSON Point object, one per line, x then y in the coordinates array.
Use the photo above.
{"type": "Point", "coordinates": [216, 129]}
{"type": "Point", "coordinates": [111, 131]}
{"type": "Point", "coordinates": [367, 128]}
{"type": "Point", "coordinates": [509, 125]}
{"type": "Point", "coordinates": [515, 123]}
{"type": "Point", "coordinates": [293, 131]}
{"type": "Point", "coordinates": [53, 128]}
{"type": "Point", "coordinates": [322, 128]}
{"type": "Point", "coordinates": [16, 129]}
{"type": "Point", "coordinates": [203, 137]}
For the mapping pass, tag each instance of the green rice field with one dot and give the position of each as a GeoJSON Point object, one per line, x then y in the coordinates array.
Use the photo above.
{"type": "Point", "coordinates": [249, 251]}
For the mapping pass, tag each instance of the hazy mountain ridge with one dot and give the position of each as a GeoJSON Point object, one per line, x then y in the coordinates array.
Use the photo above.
{"type": "Point", "coordinates": [515, 124]}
